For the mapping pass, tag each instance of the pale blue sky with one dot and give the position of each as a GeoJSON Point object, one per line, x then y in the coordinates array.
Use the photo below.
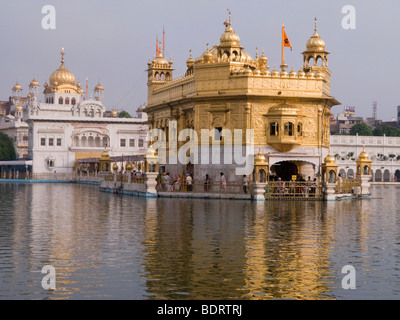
{"type": "Point", "coordinates": [111, 42]}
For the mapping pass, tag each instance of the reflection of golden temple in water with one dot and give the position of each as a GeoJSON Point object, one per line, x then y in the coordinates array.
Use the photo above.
{"type": "Point", "coordinates": [246, 255]}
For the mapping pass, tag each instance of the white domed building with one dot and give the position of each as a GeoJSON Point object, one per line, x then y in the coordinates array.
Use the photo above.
{"type": "Point", "coordinates": [67, 126]}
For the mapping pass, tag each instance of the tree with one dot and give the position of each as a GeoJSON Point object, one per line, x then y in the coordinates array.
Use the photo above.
{"type": "Point", "coordinates": [361, 129]}
{"type": "Point", "coordinates": [124, 114]}
{"type": "Point", "coordinates": [389, 131]}
{"type": "Point", "coordinates": [7, 150]}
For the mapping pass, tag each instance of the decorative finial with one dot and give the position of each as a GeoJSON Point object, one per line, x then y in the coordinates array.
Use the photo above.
{"type": "Point", "coordinates": [256, 53]}
{"type": "Point", "coordinates": [207, 46]}
{"type": "Point", "coordinates": [190, 52]}
{"type": "Point", "coordinates": [315, 24]}
{"type": "Point", "coordinates": [62, 55]}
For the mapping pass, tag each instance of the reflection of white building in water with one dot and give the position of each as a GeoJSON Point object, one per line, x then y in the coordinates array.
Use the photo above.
{"type": "Point", "coordinates": [66, 127]}
{"type": "Point", "coordinates": [383, 151]}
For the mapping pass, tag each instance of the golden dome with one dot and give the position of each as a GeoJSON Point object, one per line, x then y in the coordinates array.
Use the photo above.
{"type": "Point", "coordinates": [114, 112]}
{"type": "Point", "coordinates": [18, 108]}
{"type": "Point", "coordinates": [208, 55]}
{"type": "Point", "coordinates": [263, 60]}
{"type": "Point", "coordinates": [292, 73]}
{"type": "Point", "coordinates": [62, 75]}
{"type": "Point", "coordinates": [190, 61]}
{"type": "Point", "coordinates": [115, 166]}
{"type": "Point", "coordinates": [315, 43]}
{"type": "Point", "coordinates": [363, 155]}
{"type": "Point", "coordinates": [275, 73]}
{"type": "Point", "coordinates": [105, 156]}
{"type": "Point", "coordinates": [301, 74]}
{"type": "Point", "coordinates": [34, 83]}
{"type": "Point", "coordinates": [329, 159]}
{"type": "Point", "coordinates": [229, 37]}
{"type": "Point", "coordinates": [99, 87]}
{"type": "Point", "coordinates": [17, 86]}
{"type": "Point", "coordinates": [129, 167]}
{"type": "Point", "coordinates": [160, 60]}
{"type": "Point", "coordinates": [260, 159]}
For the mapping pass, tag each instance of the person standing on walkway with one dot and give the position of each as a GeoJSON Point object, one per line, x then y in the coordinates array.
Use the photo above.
{"type": "Point", "coordinates": [189, 182]}
{"type": "Point", "coordinates": [206, 183]}
{"type": "Point", "coordinates": [223, 182]}
{"type": "Point", "coordinates": [244, 184]}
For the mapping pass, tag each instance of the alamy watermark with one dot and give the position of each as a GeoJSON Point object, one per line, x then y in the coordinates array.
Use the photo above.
{"type": "Point", "coordinates": [233, 144]}
{"type": "Point", "coordinates": [49, 20]}
{"type": "Point", "coordinates": [349, 20]}
{"type": "Point", "coordinates": [349, 280]}
{"type": "Point", "coordinates": [49, 280]}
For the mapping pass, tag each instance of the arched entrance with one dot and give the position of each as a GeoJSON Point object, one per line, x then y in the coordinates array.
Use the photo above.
{"type": "Point", "coordinates": [285, 170]}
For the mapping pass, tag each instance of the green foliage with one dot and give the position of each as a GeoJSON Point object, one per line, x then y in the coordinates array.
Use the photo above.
{"type": "Point", "coordinates": [361, 129]}
{"type": "Point", "coordinates": [389, 131]}
{"type": "Point", "coordinates": [7, 150]}
{"type": "Point", "coordinates": [124, 114]}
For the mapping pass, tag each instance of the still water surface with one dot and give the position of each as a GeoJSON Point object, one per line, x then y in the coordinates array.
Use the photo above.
{"type": "Point", "coordinates": [106, 246]}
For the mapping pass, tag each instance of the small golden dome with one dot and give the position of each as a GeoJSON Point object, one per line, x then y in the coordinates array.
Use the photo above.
{"type": "Point", "coordinates": [99, 87]}
{"type": "Point", "coordinates": [115, 166]}
{"type": "Point", "coordinates": [17, 86]}
{"type": "Point", "coordinates": [266, 72]}
{"type": "Point", "coordinates": [190, 61]}
{"type": "Point", "coordinates": [129, 166]}
{"type": "Point", "coordinates": [229, 37]}
{"type": "Point", "coordinates": [292, 73]}
{"type": "Point", "coordinates": [315, 43]}
{"type": "Point", "coordinates": [301, 74]}
{"type": "Point", "coordinates": [160, 60]}
{"type": "Point", "coordinates": [263, 60]}
{"type": "Point", "coordinates": [319, 75]}
{"type": "Point", "coordinates": [311, 75]}
{"type": "Point", "coordinates": [114, 112]}
{"type": "Point", "coordinates": [260, 159]}
{"type": "Point", "coordinates": [105, 156]}
{"type": "Point", "coordinates": [363, 155]}
{"type": "Point", "coordinates": [329, 159]}
{"type": "Point", "coordinates": [257, 72]}
{"type": "Point", "coordinates": [248, 72]}
{"type": "Point", "coordinates": [78, 85]}
{"type": "Point", "coordinates": [275, 73]}
{"type": "Point", "coordinates": [34, 83]}
{"type": "Point", "coordinates": [18, 108]}
{"type": "Point", "coordinates": [207, 56]}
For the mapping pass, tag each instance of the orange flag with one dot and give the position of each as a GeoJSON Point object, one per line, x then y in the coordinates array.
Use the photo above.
{"type": "Point", "coordinates": [285, 42]}
{"type": "Point", "coordinates": [285, 39]}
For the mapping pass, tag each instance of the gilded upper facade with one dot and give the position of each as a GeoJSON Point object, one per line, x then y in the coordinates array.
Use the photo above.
{"type": "Point", "coordinates": [226, 88]}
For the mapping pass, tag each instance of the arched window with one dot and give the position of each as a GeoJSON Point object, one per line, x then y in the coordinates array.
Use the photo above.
{"type": "Point", "coordinates": [66, 100]}
{"type": "Point", "coordinates": [73, 101]}
{"type": "Point", "coordinates": [60, 100]}
{"type": "Point", "coordinates": [274, 129]}
{"type": "Point", "coordinates": [289, 129]}
{"type": "Point", "coordinates": [300, 129]}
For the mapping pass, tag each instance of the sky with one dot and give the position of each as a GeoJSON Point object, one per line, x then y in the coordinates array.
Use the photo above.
{"type": "Point", "coordinates": [112, 41]}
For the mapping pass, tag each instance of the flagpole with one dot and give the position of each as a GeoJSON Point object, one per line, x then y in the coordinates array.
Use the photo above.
{"type": "Point", "coordinates": [283, 45]}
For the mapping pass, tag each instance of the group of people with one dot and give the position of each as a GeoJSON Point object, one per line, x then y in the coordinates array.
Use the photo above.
{"type": "Point", "coordinates": [223, 184]}
{"type": "Point", "coordinates": [299, 187]}
{"type": "Point", "coordinates": [166, 183]}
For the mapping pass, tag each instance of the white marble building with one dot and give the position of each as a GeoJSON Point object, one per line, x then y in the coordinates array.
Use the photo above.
{"type": "Point", "coordinates": [383, 151]}
{"type": "Point", "coordinates": [67, 127]}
